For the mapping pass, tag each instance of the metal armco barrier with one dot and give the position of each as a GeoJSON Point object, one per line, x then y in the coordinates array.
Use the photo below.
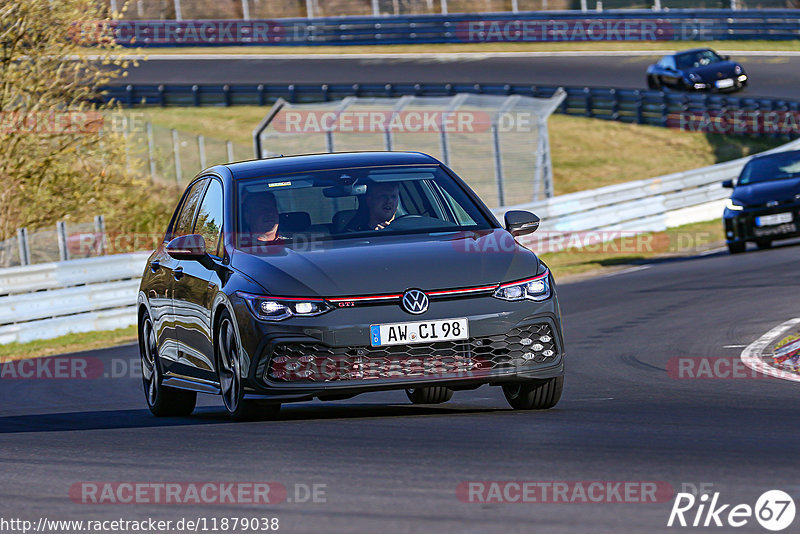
{"type": "Point", "coordinates": [641, 206]}
{"type": "Point", "coordinates": [53, 299]}
{"type": "Point", "coordinates": [670, 109]}
{"type": "Point", "coordinates": [537, 26]}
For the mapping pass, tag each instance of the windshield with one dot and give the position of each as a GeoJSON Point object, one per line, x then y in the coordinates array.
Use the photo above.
{"type": "Point", "coordinates": [699, 58]}
{"type": "Point", "coordinates": [353, 202]}
{"type": "Point", "coordinates": [774, 167]}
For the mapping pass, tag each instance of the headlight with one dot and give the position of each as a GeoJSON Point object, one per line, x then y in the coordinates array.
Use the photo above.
{"type": "Point", "coordinates": [694, 77]}
{"type": "Point", "coordinates": [734, 205]}
{"type": "Point", "coordinates": [737, 69]}
{"type": "Point", "coordinates": [277, 308]}
{"type": "Point", "coordinates": [536, 288]}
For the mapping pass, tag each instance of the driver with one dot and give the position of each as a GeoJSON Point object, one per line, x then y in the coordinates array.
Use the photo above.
{"type": "Point", "coordinates": [378, 209]}
{"type": "Point", "coordinates": [260, 217]}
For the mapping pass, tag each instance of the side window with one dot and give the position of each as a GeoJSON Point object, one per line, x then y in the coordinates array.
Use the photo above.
{"type": "Point", "coordinates": [183, 223]}
{"type": "Point", "coordinates": [209, 217]}
{"type": "Point", "coordinates": [667, 62]}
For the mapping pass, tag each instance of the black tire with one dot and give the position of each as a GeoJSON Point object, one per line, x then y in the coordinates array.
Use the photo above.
{"type": "Point", "coordinates": [429, 395]}
{"type": "Point", "coordinates": [534, 395]}
{"type": "Point", "coordinates": [163, 401]}
{"type": "Point", "coordinates": [764, 244]}
{"type": "Point", "coordinates": [230, 373]}
{"type": "Point", "coordinates": [653, 84]}
{"type": "Point", "coordinates": [737, 248]}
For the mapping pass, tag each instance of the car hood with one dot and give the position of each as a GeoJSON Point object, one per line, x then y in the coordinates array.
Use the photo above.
{"type": "Point", "coordinates": [388, 264]}
{"type": "Point", "coordinates": [760, 193]}
{"type": "Point", "coordinates": [715, 71]}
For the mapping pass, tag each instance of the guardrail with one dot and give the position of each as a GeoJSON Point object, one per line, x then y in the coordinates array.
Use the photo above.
{"type": "Point", "coordinates": [533, 26]}
{"type": "Point", "coordinates": [657, 108]}
{"type": "Point", "coordinates": [53, 299]}
{"type": "Point", "coordinates": [651, 205]}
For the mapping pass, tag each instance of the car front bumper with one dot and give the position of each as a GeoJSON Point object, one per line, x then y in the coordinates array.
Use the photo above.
{"type": "Point", "coordinates": [741, 226]}
{"type": "Point", "coordinates": [330, 356]}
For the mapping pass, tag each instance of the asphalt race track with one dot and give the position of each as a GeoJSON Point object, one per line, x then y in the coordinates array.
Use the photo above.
{"type": "Point", "coordinates": [770, 76]}
{"type": "Point", "coordinates": [389, 466]}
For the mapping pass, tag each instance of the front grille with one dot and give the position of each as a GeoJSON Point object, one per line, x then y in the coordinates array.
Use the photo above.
{"type": "Point", "coordinates": [521, 348]}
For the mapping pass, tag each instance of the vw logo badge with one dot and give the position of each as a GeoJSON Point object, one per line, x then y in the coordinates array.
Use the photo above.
{"type": "Point", "coordinates": [415, 301]}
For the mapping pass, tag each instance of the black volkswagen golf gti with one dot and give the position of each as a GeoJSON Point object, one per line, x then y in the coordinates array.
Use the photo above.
{"type": "Point", "coordinates": [326, 276]}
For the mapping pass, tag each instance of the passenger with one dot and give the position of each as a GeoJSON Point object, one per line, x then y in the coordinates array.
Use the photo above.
{"type": "Point", "coordinates": [377, 209]}
{"type": "Point", "coordinates": [260, 217]}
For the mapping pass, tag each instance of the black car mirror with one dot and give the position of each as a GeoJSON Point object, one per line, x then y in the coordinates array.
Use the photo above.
{"type": "Point", "coordinates": [187, 247]}
{"type": "Point", "coordinates": [728, 184]}
{"type": "Point", "coordinates": [520, 222]}
{"type": "Point", "coordinates": [726, 58]}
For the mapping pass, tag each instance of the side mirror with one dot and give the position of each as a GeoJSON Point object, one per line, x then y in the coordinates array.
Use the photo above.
{"type": "Point", "coordinates": [726, 58]}
{"type": "Point", "coordinates": [187, 247]}
{"type": "Point", "coordinates": [728, 184]}
{"type": "Point", "coordinates": [520, 222]}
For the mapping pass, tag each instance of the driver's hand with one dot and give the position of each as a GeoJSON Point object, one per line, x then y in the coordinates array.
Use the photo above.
{"type": "Point", "coordinates": [383, 225]}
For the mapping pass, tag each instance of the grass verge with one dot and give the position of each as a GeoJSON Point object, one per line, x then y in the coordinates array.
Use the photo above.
{"type": "Point", "coordinates": [682, 241]}
{"type": "Point", "coordinates": [586, 153]}
{"type": "Point", "coordinates": [67, 344]}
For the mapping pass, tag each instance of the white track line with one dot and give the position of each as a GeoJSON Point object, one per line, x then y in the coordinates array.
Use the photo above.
{"type": "Point", "coordinates": [751, 356]}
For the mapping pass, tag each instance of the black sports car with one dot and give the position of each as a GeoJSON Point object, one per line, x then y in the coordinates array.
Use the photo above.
{"type": "Point", "coordinates": [331, 275]}
{"type": "Point", "coordinates": [701, 69]}
{"type": "Point", "coordinates": [765, 203]}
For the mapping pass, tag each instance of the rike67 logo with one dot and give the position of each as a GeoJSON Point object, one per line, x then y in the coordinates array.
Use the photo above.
{"type": "Point", "coordinates": [774, 510]}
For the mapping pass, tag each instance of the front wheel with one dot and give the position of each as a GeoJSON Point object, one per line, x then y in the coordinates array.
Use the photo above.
{"type": "Point", "coordinates": [764, 244]}
{"type": "Point", "coordinates": [534, 394]}
{"type": "Point", "coordinates": [429, 395]}
{"type": "Point", "coordinates": [653, 84]}
{"type": "Point", "coordinates": [162, 401]}
{"type": "Point", "coordinates": [737, 248]}
{"type": "Point", "coordinates": [230, 378]}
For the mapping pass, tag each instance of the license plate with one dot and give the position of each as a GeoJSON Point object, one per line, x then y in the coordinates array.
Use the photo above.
{"type": "Point", "coordinates": [766, 231]}
{"type": "Point", "coordinates": [771, 220]}
{"type": "Point", "coordinates": [724, 84]}
{"type": "Point", "coordinates": [418, 332]}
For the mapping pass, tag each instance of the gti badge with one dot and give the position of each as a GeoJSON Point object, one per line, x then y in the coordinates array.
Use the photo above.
{"type": "Point", "coordinates": [415, 301]}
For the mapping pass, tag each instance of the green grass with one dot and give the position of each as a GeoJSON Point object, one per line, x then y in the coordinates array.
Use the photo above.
{"type": "Point", "coordinates": [681, 241]}
{"type": "Point", "coordinates": [586, 153]}
{"type": "Point", "coordinates": [66, 344]}
{"type": "Point", "coordinates": [654, 46]}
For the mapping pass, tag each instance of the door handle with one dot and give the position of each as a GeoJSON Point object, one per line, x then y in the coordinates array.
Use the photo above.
{"type": "Point", "coordinates": [155, 265]}
{"type": "Point", "coordinates": [177, 273]}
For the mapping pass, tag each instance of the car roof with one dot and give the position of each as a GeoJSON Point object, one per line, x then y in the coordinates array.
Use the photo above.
{"type": "Point", "coordinates": [691, 50]}
{"type": "Point", "coordinates": [319, 162]}
{"type": "Point", "coordinates": [776, 154]}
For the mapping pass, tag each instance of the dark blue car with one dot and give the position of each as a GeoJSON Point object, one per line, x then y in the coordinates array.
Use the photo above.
{"type": "Point", "coordinates": [765, 203]}
{"type": "Point", "coordinates": [700, 69]}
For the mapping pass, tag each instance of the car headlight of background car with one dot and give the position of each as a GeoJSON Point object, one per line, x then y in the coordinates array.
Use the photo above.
{"type": "Point", "coordinates": [536, 288]}
{"type": "Point", "coordinates": [734, 205]}
{"type": "Point", "coordinates": [269, 308]}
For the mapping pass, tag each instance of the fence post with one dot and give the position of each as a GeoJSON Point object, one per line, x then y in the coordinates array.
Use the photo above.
{"type": "Point", "coordinates": [229, 146]}
{"type": "Point", "coordinates": [515, 6]}
{"type": "Point", "coordinates": [100, 233]}
{"type": "Point", "coordinates": [24, 251]}
{"type": "Point", "coordinates": [584, 7]}
{"type": "Point", "coordinates": [150, 150]}
{"type": "Point", "coordinates": [309, 9]}
{"type": "Point", "coordinates": [245, 10]}
{"type": "Point", "coordinates": [176, 152]}
{"type": "Point", "coordinates": [63, 248]}
{"type": "Point", "coordinates": [656, 5]}
{"type": "Point", "coordinates": [376, 8]}
{"type": "Point", "coordinates": [201, 148]}
{"type": "Point", "coordinates": [178, 15]}
{"type": "Point", "coordinates": [733, 5]}
{"type": "Point", "coordinates": [113, 8]}
{"type": "Point", "coordinates": [444, 7]}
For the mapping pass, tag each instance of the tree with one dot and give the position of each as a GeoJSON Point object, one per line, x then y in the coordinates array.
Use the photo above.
{"type": "Point", "coordinates": [60, 159]}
